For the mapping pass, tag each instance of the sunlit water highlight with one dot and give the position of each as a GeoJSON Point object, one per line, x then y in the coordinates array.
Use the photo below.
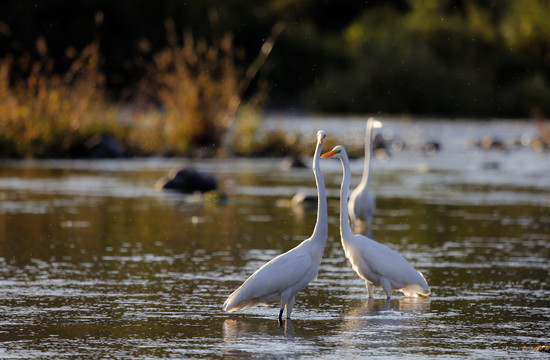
{"type": "Point", "coordinates": [96, 264]}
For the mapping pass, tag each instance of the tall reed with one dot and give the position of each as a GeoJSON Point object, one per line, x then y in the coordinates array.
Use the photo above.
{"type": "Point", "coordinates": [196, 85]}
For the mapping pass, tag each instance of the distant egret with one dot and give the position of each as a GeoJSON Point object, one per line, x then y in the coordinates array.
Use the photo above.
{"type": "Point", "coordinates": [284, 276]}
{"type": "Point", "coordinates": [362, 204]}
{"type": "Point", "coordinates": [377, 264]}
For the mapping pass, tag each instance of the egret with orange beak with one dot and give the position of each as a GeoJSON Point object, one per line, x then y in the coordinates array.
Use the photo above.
{"type": "Point", "coordinates": [375, 263]}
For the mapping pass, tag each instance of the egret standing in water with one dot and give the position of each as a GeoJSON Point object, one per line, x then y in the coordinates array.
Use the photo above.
{"type": "Point", "coordinates": [377, 264]}
{"type": "Point", "coordinates": [284, 276]}
{"type": "Point", "coordinates": [362, 204]}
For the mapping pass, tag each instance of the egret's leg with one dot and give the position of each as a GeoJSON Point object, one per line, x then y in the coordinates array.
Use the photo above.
{"type": "Point", "coordinates": [370, 289]}
{"type": "Point", "coordinates": [289, 306]}
{"type": "Point", "coordinates": [285, 297]}
{"type": "Point", "coordinates": [387, 304]}
{"type": "Point", "coordinates": [385, 283]}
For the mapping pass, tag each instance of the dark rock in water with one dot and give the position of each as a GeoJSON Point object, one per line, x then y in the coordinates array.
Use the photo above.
{"type": "Point", "coordinates": [491, 143]}
{"type": "Point", "coordinates": [379, 143]}
{"type": "Point", "coordinates": [303, 199]}
{"type": "Point", "coordinates": [431, 147]}
{"type": "Point", "coordinates": [104, 147]}
{"type": "Point", "coordinates": [382, 147]}
{"type": "Point", "coordinates": [293, 162]}
{"type": "Point", "coordinates": [491, 165]}
{"type": "Point", "coordinates": [188, 181]}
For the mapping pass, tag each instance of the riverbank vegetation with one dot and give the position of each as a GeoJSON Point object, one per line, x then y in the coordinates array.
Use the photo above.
{"type": "Point", "coordinates": [192, 79]}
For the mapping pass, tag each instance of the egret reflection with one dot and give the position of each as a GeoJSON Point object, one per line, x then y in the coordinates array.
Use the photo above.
{"type": "Point", "coordinates": [384, 322]}
{"type": "Point", "coordinates": [245, 328]}
{"type": "Point", "coordinates": [259, 338]}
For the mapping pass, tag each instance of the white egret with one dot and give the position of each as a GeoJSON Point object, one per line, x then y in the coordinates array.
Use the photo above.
{"type": "Point", "coordinates": [284, 276]}
{"type": "Point", "coordinates": [377, 264]}
{"type": "Point", "coordinates": [362, 204]}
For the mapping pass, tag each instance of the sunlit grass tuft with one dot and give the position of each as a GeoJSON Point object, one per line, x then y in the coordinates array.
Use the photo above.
{"type": "Point", "coordinates": [197, 87]}
{"type": "Point", "coordinates": [185, 105]}
{"type": "Point", "coordinates": [46, 114]}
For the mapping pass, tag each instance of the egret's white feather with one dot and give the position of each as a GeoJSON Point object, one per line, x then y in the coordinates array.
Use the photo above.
{"type": "Point", "coordinates": [362, 204]}
{"type": "Point", "coordinates": [265, 285]}
{"type": "Point", "coordinates": [376, 263]}
{"type": "Point", "coordinates": [283, 277]}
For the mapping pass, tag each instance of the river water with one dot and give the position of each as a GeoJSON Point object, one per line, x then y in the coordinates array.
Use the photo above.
{"type": "Point", "coordinates": [94, 263]}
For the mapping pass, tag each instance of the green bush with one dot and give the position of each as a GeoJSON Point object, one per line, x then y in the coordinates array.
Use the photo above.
{"type": "Point", "coordinates": [432, 60]}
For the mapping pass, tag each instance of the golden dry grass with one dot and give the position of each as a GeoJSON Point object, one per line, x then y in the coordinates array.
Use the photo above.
{"type": "Point", "coordinates": [184, 106]}
{"type": "Point", "coordinates": [47, 114]}
{"type": "Point", "coordinates": [197, 87]}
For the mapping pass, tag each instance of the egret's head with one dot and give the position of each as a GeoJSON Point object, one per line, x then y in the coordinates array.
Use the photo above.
{"type": "Point", "coordinates": [321, 136]}
{"type": "Point", "coordinates": [338, 152]}
{"type": "Point", "coordinates": [375, 123]}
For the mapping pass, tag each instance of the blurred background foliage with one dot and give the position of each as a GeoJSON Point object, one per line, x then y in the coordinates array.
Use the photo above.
{"type": "Point", "coordinates": [468, 58]}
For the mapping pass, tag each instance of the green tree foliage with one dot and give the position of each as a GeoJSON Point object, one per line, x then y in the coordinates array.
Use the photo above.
{"type": "Point", "coordinates": [442, 58]}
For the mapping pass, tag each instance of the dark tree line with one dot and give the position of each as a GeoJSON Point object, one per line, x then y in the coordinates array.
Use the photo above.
{"type": "Point", "coordinates": [453, 58]}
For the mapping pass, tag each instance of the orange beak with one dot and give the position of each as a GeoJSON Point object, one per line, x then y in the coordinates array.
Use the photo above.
{"type": "Point", "coordinates": [328, 154]}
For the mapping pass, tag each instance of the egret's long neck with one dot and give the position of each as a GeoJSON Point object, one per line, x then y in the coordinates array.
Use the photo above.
{"type": "Point", "coordinates": [368, 146]}
{"type": "Point", "coordinates": [345, 230]}
{"type": "Point", "coordinates": [320, 232]}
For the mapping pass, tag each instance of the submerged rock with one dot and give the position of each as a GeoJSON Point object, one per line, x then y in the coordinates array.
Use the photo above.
{"type": "Point", "coordinates": [188, 181]}
{"type": "Point", "coordinates": [293, 162]}
{"type": "Point", "coordinates": [380, 143]}
{"type": "Point", "coordinates": [491, 143]}
{"type": "Point", "coordinates": [491, 165]}
{"type": "Point", "coordinates": [301, 198]}
{"type": "Point", "coordinates": [104, 147]}
{"type": "Point", "coordinates": [431, 147]}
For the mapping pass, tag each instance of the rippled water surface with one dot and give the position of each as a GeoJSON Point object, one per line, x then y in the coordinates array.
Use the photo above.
{"type": "Point", "coordinates": [94, 263]}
